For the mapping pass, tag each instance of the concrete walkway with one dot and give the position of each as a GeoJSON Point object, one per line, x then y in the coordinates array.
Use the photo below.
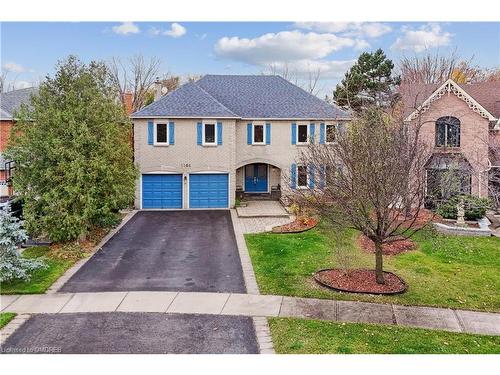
{"type": "Point", "coordinates": [256, 306]}
{"type": "Point", "coordinates": [261, 209]}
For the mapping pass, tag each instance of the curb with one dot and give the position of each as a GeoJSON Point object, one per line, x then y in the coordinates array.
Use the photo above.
{"type": "Point", "coordinates": [11, 327]}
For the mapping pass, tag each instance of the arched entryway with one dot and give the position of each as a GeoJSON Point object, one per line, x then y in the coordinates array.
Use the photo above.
{"type": "Point", "coordinates": [258, 179]}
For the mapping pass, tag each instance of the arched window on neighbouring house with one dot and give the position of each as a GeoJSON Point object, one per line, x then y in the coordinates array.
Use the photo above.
{"type": "Point", "coordinates": [448, 132]}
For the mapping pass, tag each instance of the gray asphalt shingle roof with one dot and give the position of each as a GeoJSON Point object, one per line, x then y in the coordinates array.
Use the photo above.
{"type": "Point", "coordinates": [189, 100]}
{"type": "Point", "coordinates": [11, 101]}
{"type": "Point", "coordinates": [241, 96]}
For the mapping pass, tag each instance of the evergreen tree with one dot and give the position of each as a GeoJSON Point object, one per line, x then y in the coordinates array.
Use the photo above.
{"type": "Point", "coordinates": [368, 82]}
{"type": "Point", "coordinates": [72, 152]}
{"type": "Point", "coordinates": [12, 265]}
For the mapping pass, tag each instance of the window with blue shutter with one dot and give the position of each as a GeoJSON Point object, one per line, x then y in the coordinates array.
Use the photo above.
{"type": "Point", "coordinates": [150, 132]}
{"type": "Point", "coordinates": [249, 133]}
{"type": "Point", "coordinates": [219, 133]}
{"type": "Point", "coordinates": [268, 133]}
{"type": "Point", "coordinates": [311, 133]}
{"type": "Point", "coordinates": [171, 133]}
{"type": "Point", "coordinates": [199, 133]}
{"type": "Point", "coordinates": [311, 176]}
{"type": "Point", "coordinates": [294, 133]}
{"type": "Point", "coordinates": [322, 176]}
{"type": "Point", "coordinates": [322, 133]}
{"type": "Point", "coordinates": [293, 176]}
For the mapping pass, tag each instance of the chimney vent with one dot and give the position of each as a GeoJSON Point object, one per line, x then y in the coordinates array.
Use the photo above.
{"type": "Point", "coordinates": [157, 89]}
{"type": "Point", "coordinates": [127, 99]}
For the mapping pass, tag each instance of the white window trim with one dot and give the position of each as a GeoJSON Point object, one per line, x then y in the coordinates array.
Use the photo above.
{"type": "Point", "coordinates": [297, 177]}
{"type": "Point", "coordinates": [264, 135]}
{"type": "Point", "coordinates": [308, 134]}
{"type": "Point", "coordinates": [155, 142]}
{"type": "Point", "coordinates": [335, 127]}
{"type": "Point", "coordinates": [211, 144]}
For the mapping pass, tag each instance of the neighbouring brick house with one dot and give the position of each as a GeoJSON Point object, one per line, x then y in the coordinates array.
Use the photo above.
{"type": "Point", "coordinates": [10, 102]}
{"type": "Point", "coordinates": [459, 123]}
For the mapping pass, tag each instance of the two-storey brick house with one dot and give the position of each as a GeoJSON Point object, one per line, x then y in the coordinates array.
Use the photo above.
{"type": "Point", "coordinates": [199, 145]}
{"type": "Point", "coordinates": [459, 123]}
{"type": "Point", "coordinates": [10, 103]}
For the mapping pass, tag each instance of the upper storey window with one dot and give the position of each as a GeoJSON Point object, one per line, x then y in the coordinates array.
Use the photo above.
{"type": "Point", "coordinates": [448, 132]}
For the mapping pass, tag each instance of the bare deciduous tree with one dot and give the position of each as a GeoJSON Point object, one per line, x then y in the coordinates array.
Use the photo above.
{"type": "Point", "coordinates": [494, 170]}
{"type": "Point", "coordinates": [308, 81]}
{"type": "Point", "coordinates": [3, 83]}
{"type": "Point", "coordinates": [437, 68]}
{"type": "Point", "coordinates": [371, 178]}
{"type": "Point", "coordinates": [136, 75]}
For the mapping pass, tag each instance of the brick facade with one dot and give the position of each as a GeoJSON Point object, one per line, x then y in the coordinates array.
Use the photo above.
{"type": "Point", "coordinates": [474, 136]}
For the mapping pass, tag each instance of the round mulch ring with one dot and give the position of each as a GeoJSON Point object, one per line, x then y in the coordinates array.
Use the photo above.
{"type": "Point", "coordinates": [296, 226]}
{"type": "Point", "coordinates": [360, 281]}
{"type": "Point", "coordinates": [393, 248]}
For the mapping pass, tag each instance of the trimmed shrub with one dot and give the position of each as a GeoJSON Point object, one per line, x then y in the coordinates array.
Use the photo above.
{"type": "Point", "coordinates": [475, 207]}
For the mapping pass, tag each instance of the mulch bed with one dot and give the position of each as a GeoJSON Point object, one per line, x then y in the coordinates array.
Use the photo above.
{"type": "Point", "coordinates": [425, 218]}
{"type": "Point", "coordinates": [296, 226]}
{"type": "Point", "coordinates": [360, 281]}
{"type": "Point", "coordinates": [401, 246]}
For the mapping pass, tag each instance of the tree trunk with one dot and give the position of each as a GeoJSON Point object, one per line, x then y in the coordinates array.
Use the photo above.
{"type": "Point", "coordinates": [379, 268]}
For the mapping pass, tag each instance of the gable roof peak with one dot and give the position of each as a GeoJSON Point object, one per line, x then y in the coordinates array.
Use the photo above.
{"type": "Point", "coordinates": [450, 86]}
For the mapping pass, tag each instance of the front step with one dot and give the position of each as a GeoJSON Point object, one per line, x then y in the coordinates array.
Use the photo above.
{"type": "Point", "coordinates": [258, 209]}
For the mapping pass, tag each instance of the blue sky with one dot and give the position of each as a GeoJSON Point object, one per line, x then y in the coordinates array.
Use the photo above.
{"type": "Point", "coordinates": [29, 51]}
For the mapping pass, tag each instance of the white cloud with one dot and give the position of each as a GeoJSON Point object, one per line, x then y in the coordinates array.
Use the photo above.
{"type": "Point", "coordinates": [280, 47]}
{"type": "Point", "coordinates": [126, 28]}
{"type": "Point", "coordinates": [357, 29]}
{"type": "Point", "coordinates": [328, 69]}
{"type": "Point", "coordinates": [361, 44]}
{"type": "Point", "coordinates": [13, 67]}
{"type": "Point", "coordinates": [154, 31]}
{"type": "Point", "coordinates": [176, 30]}
{"type": "Point", "coordinates": [21, 85]}
{"type": "Point", "coordinates": [426, 36]}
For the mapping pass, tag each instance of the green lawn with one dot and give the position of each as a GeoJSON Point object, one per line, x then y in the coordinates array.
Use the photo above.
{"type": "Point", "coordinates": [5, 318]}
{"type": "Point", "coordinates": [461, 272]}
{"type": "Point", "coordinates": [41, 279]}
{"type": "Point", "coordinates": [59, 258]}
{"type": "Point", "coordinates": [300, 336]}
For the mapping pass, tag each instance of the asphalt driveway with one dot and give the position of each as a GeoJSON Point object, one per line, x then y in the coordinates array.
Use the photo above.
{"type": "Point", "coordinates": [166, 250]}
{"type": "Point", "coordinates": [133, 333]}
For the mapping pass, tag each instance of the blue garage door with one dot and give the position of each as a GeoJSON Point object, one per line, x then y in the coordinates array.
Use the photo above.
{"type": "Point", "coordinates": [161, 191]}
{"type": "Point", "coordinates": [208, 191]}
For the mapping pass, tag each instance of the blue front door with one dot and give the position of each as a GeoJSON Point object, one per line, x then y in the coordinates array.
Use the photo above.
{"type": "Point", "coordinates": [256, 178]}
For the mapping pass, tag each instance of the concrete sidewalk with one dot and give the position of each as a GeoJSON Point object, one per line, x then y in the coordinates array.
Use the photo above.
{"type": "Point", "coordinates": [256, 306]}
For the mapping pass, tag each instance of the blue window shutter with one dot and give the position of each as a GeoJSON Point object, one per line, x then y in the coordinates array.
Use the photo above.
{"type": "Point", "coordinates": [219, 133]}
{"type": "Point", "coordinates": [322, 177]}
{"type": "Point", "coordinates": [294, 133]}
{"type": "Point", "coordinates": [199, 131]}
{"type": "Point", "coordinates": [150, 132]}
{"type": "Point", "coordinates": [311, 176]}
{"type": "Point", "coordinates": [311, 132]}
{"type": "Point", "coordinates": [249, 133]}
{"type": "Point", "coordinates": [322, 133]}
{"type": "Point", "coordinates": [171, 133]}
{"type": "Point", "coordinates": [293, 175]}
{"type": "Point", "coordinates": [268, 133]}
